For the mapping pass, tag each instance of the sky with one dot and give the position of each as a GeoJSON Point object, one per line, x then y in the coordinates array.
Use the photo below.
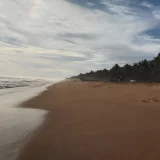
{"type": "Point", "coordinates": [55, 39]}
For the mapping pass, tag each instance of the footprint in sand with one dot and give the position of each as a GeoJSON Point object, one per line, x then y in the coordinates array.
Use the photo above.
{"type": "Point", "coordinates": [155, 99]}
{"type": "Point", "coordinates": [145, 101]}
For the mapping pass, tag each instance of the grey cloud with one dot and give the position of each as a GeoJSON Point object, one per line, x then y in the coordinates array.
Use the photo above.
{"type": "Point", "coordinates": [96, 4]}
{"type": "Point", "coordinates": [19, 39]}
{"type": "Point", "coordinates": [85, 36]}
{"type": "Point", "coordinates": [122, 54]}
{"type": "Point", "coordinates": [70, 41]}
{"type": "Point", "coordinates": [11, 41]}
{"type": "Point", "coordinates": [62, 58]}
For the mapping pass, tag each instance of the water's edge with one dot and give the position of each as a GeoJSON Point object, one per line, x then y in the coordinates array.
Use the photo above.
{"type": "Point", "coordinates": [17, 124]}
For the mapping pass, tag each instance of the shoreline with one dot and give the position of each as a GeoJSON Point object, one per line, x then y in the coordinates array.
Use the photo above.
{"type": "Point", "coordinates": [96, 120]}
{"type": "Point", "coordinates": [17, 123]}
{"type": "Point", "coordinates": [39, 128]}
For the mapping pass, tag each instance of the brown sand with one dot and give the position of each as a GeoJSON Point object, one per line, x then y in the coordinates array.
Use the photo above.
{"type": "Point", "coordinates": [97, 121]}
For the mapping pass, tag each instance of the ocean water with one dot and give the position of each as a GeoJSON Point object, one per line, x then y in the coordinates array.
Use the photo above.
{"type": "Point", "coordinates": [16, 124]}
{"type": "Point", "coordinates": [7, 82]}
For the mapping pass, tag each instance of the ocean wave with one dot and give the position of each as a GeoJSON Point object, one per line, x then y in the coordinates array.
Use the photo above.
{"type": "Point", "coordinates": [7, 82]}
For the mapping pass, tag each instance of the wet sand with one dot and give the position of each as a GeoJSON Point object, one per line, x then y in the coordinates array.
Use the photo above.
{"type": "Point", "coordinates": [92, 121]}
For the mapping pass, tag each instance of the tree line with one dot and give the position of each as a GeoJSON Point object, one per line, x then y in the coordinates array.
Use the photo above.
{"type": "Point", "coordinates": [143, 71]}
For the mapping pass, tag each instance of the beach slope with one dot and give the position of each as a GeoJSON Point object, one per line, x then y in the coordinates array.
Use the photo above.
{"type": "Point", "coordinates": [96, 120]}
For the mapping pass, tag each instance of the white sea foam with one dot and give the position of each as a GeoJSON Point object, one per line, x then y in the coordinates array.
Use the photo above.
{"type": "Point", "coordinates": [17, 123]}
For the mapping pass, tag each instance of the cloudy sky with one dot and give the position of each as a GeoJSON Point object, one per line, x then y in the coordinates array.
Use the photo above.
{"type": "Point", "coordinates": [54, 39]}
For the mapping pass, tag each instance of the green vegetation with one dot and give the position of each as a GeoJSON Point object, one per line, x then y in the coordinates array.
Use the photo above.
{"type": "Point", "coordinates": [143, 71]}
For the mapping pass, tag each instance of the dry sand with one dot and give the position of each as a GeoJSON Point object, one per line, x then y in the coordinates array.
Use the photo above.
{"type": "Point", "coordinates": [97, 121]}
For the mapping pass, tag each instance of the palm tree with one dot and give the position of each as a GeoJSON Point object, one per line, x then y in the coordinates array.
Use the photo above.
{"type": "Point", "coordinates": [116, 67]}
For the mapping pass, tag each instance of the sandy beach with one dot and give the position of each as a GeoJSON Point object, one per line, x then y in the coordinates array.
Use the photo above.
{"type": "Point", "coordinates": [96, 120]}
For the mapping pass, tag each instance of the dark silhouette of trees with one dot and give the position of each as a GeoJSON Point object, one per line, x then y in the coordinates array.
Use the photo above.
{"type": "Point", "coordinates": [146, 71]}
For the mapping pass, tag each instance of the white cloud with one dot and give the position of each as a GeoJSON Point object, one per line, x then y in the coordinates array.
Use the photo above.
{"type": "Point", "coordinates": [146, 4]}
{"type": "Point", "coordinates": [156, 14]}
{"type": "Point", "coordinates": [90, 4]}
{"type": "Point", "coordinates": [45, 38]}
